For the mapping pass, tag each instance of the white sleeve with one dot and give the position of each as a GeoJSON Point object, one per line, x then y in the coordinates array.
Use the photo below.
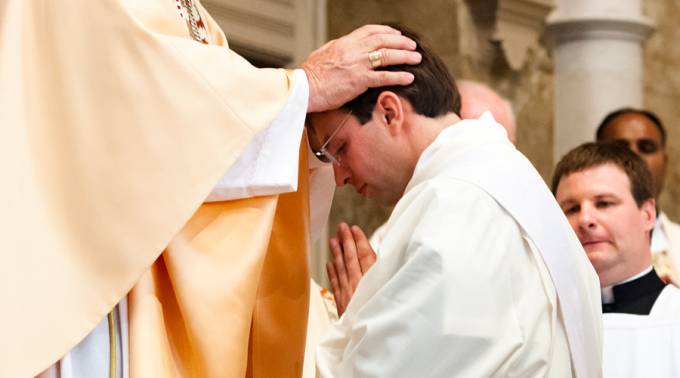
{"type": "Point", "coordinates": [269, 164]}
{"type": "Point", "coordinates": [377, 237]}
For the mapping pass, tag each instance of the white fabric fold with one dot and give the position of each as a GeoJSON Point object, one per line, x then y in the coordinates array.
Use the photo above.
{"type": "Point", "coordinates": [269, 164]}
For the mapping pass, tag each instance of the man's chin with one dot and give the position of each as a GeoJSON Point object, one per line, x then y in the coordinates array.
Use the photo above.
{"type": "Point", "coordinates": [597, 248]}
{"type": "Point", "coordinates": [383, 197]}
{"type": "Point", "coordinates": [385, 200]}
{"type": "Point", "coordinates": [599, 256]}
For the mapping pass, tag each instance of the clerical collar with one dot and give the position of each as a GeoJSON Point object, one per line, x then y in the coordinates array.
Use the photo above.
{"type": "Point", "coordinates": [608, 291]}
{"type": "Point", "coordinates": [635, 295]}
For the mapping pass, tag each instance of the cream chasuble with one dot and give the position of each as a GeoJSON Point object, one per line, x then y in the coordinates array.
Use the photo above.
{"type": "Point", "coordinates": [116, 126]}
{"type": "Point", "coordinates": [465, 283]}
{"type": "Point", "coordinates": [226, 299]}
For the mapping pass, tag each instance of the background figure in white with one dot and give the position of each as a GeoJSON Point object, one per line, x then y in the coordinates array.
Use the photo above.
{"type": "Point", "coordinates": [642, 131]}
{"type": "Point", "coordinates": [606, 192]}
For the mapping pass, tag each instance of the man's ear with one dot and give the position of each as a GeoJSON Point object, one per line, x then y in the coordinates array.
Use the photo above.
{"type": "Point", "coordinates": [648, 210]}
{"type": "Point", "coordinates": [390, 111]}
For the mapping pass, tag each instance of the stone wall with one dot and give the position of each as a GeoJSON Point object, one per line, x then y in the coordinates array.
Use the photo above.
{"type": "Point", "coordinates": [662, 89]}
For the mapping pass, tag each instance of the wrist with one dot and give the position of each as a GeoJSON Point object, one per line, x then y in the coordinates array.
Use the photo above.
{"type": "Point", "coordinates": [314, 104]}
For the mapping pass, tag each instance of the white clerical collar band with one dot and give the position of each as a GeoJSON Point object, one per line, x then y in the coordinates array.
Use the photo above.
{"type": "Point", "coordinates": [607, 294]}
{"type": "Point", "coordinates": [635, 277]}
{"type": "Point", "coordinates": [608, 291]}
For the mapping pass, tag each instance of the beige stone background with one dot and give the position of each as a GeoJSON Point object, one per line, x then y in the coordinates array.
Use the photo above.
{"type": "Point", "coordinates": [448, 28]}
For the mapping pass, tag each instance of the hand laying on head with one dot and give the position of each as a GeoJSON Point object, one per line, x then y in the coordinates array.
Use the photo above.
{"type": "Point", "coordinates": [352, 257]}
{"type": "Point", "coordinates": [340, 70]}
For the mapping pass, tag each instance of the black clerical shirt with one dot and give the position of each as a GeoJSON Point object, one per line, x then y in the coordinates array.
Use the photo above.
{"type": "Point", "coordinates": [636, 296]}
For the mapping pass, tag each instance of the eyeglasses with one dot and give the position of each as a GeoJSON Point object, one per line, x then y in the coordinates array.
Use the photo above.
{"type": "Point", "coordinates": [323, 154]}
{"type": "Point", "coordinates": [644, 146]}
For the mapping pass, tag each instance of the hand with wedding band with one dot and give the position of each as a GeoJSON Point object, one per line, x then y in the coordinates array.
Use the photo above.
{"type": "Point", "coordinates": [376, 58]}
{"type": "Point", "coordinates": [345, 67]}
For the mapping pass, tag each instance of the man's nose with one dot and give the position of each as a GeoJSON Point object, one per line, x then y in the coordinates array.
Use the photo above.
{"type": "Point", "coordinates": [632, 145]}
{"type": "Point", "coordinates": [586, 217]}
{"type": "Point", "coordinates": [341, 173]}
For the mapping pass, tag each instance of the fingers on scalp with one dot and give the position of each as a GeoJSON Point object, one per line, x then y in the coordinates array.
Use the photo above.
{"type": "Point", "coordinates": [393, 56]}
{"type": "Point", "coordinates": [387, 78]}
{"type": "Point", "coordinates": [390, 41]}
{"type": "Point", "coordinates": [371, 29]}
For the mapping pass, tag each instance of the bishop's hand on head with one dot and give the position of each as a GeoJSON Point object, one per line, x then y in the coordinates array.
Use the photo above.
{"type": "Point", "coordinates": [343, 68]}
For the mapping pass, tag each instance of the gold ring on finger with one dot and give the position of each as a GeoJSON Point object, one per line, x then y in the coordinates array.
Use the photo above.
{"type": "Point", "coordinates": [375, 57]}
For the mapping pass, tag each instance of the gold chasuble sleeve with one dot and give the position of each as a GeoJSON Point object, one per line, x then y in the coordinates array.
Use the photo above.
{"type": "Point", "coordinates": [229, 296]}
{"type": "Point", "coordinates": [114, 127]}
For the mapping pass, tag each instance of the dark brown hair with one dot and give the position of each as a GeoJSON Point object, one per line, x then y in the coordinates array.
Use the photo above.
{"type": "Point", "coordinates": [645, 113]}
{"type": "Point", "coordinates": [590, 155]}
{"type": "Point", "coordinates": [433, 92]}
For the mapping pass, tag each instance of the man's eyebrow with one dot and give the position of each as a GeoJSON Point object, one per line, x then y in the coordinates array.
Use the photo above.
{"type": "Point", "coordinates": [607, 195]}
{"type": "Point", "coordinates": [567, 201]}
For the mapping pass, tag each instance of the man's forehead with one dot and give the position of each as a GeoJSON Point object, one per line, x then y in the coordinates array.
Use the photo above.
{"type": "Point", "coordinates": [631, 126]}
{"type": "Point", "coordinates": [322, 124]}
{"type": "Point", "coordinates": [603, 179]}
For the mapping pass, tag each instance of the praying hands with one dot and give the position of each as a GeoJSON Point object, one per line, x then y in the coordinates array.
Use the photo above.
{"type": "Point", "coordinates": [352, 257]}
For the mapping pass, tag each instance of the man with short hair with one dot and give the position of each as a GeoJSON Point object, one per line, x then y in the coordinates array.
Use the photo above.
{"type": "Point", "coordinates": [478, 98]}
{"type": "Point", "coordinates": [643, 132]}
{"type": "Point", "coordinates": [470, 279]}
{"type": "Point", "coordinates": [606, 192]}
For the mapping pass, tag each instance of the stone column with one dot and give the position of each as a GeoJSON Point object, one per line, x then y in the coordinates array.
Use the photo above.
{"type": "Point", "coordinates": [597, 53]}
